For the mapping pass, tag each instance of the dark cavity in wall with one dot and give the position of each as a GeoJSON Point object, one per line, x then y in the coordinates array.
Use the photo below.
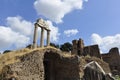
{"type": "Point", "coordinates": [46, 69]}
{"type": "Point", "coordinates": [49, 66]}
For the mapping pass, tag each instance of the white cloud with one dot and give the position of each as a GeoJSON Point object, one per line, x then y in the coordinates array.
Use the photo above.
{"type": "Point", "coordinates": [96, 39]}
{"type": "Point", "coordinates": [107, 42]}
{"type": "Point", "coordinates": [86, 0]}
{"type": "Point", "coordinates": [55, 10]}
{"type": "Point", "coordinates": [54, 34]}
{"type": "Point", "coordinates": [20, 25]}
{"type": "Point", "coordinates": [17, 33]}
{"type": "Point", "coordinates": [10, 38]}
{"type": "Point", "coordinates": [71, 32]}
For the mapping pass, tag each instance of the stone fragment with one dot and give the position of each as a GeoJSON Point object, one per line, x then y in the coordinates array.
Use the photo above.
{"type": "Point", "coordinates": [93, 71]}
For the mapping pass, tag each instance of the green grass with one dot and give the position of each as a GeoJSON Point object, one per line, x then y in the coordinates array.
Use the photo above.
{"type": "Point", "coordinates": [117, 77]}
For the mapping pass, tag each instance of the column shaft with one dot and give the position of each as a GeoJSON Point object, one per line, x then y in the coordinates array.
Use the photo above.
{"type": "Point", "coordinates": [42, 38]}
{"type": "Point", "coordinates": [35, 37]}
{"type": "Point", "coordinates": [48, 37]}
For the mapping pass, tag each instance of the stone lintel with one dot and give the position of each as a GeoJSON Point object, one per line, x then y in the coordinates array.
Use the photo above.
{"type": "Point", "coordinates": [46, 28]}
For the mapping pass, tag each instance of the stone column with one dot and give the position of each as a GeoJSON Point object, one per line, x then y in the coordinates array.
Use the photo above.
{"type": "Point", "coordinates": [42, 37]}
{"type": "Point", "coordinates": [35, 36]}
{"type": "Point", "coordinates": [48, 37]}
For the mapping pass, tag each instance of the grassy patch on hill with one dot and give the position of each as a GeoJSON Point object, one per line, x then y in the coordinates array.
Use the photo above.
{"type": "Point", "coordinates": [12, 57]}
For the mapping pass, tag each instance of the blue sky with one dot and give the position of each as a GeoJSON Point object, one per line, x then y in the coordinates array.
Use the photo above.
{"type": "Point", "coordinates": [96, 22]}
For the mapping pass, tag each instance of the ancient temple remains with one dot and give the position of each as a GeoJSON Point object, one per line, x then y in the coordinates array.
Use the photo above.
{"type": "Point", "coordinates": [44, 26]}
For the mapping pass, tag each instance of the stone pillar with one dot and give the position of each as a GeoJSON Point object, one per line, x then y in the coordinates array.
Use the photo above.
{"type": "Point", "coordinates": [42, 37]}
{"type": "Point", "coordinates": [48, 37]}
{"type": "Point", "coordinates": [35, 36]}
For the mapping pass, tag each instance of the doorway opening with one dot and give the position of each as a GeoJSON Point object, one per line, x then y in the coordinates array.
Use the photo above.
{"type": "Point", "coordinates": [46, 70]}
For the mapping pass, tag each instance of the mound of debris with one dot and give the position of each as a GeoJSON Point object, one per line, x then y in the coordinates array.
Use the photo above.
{"type": "Point", "coordinates": [93, 71]}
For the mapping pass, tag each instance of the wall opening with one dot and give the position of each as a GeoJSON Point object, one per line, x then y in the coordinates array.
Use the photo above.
{"type": "Point", "coordinates": [49, 70]}
{"type": "Point", "coordinates": [46, 70]}
{"type": "Point", "coordinates": [49, 63]}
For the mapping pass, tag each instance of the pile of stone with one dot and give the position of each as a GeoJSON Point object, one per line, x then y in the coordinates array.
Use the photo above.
{"type": "Point", "coordinates": [93, 71]}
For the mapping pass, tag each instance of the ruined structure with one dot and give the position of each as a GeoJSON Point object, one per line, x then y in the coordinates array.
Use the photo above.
{"type": "Point", "coordinates": [48, 64]}
{"type": "Point", "coordinates": [80, 49]}
{"type": "Point", "coordinates": [45, 64]}
{"type": "Point", "coordinates": [113, 58]}
{"type": "Point", "coordinates": [78, 46]}
{"type": "Point", "coordinates": [52, 64]}
{"type": "Point", "coordinates": [44, 26]}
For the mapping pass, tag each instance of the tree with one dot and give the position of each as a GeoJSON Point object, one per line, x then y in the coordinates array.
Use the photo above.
{"type": "Point", "coordinates": [66, 47]}
{"type": "Point", "coordinates": [54, 45]}
{"type": "Point", "coordinates": [29, 46]}
{"type": "Point", "coordinates": [6, 51]}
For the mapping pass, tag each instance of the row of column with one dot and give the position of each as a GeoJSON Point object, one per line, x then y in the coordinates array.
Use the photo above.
{"type": "Point", "coordinates": [42, 36]}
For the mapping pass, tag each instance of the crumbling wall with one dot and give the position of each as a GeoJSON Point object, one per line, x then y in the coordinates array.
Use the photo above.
{"type": "Point", "coordinates": [29, 68]}
{"type": "Point", "coordinates": [48, 64]}
{"type": "Point", "coordinates": [62, 68]}
{"type": "Point", "coordinates": [68, 69]}
{"type": "Point", "coordinates": [92, 50]}
{"type": "Point", "coordinates": [78, 46]}
{"type": "Point", "coordinates": [43, 65]}
{"type": "Point", "coordinates": [113, 58]}
{"type": "Point", "coordinates": [80, 49]}
{"type": "Point", "coordinates": [75, 47]}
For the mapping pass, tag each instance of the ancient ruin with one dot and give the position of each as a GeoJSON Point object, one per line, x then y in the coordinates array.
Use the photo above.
{"type": "Point", "coordinates": [112, 57]}
{"type": "Point", "coordinates": [80, 49]}
{"type": "Point", "coordinates": [52, 64]}
{"type": "Point", "coordinates": [46, 64]}
{"type": "Point", "coordinates": [44, 26]}
{"type": "Point", "coordinates": [82, 63]}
